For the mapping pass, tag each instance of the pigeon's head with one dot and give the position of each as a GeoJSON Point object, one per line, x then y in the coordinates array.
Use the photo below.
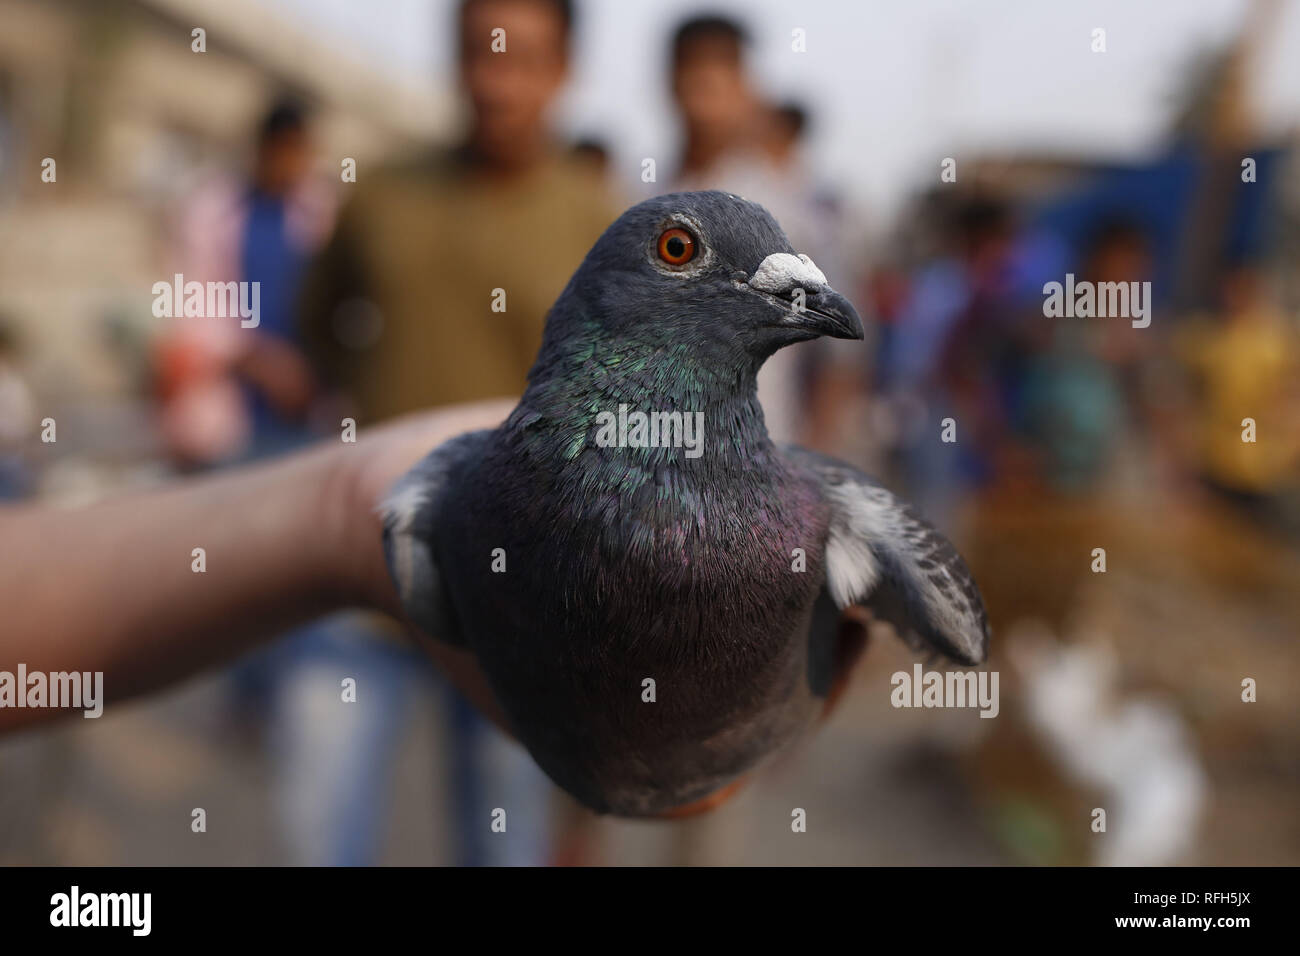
{"type": "Point", "coordinates": [705, 270]}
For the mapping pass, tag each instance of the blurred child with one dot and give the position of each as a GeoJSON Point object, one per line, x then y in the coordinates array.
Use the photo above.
{"type": "Point", "coordinates": [1247, 366]}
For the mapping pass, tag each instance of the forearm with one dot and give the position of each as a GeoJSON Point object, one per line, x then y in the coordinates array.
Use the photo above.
{"type": "Point", "coordinates": [113, 588]}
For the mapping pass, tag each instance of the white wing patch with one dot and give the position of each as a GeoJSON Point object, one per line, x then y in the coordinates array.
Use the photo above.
{"type": "Point", "coordinates": [412, 513]}
{"type": "Point", "coordinates": [861, 515]}
{"type": "Point", "coordinates": [399, 510]}
{"type": "Point", "coordinates": [851, 569]}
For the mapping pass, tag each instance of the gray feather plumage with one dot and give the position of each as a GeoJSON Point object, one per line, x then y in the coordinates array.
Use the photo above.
{"type": "Point", "coordinates": [634, 563]}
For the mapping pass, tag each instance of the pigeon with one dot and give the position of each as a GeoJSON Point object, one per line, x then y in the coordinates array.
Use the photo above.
{"type": "Point", "coordinates": [658, 617]}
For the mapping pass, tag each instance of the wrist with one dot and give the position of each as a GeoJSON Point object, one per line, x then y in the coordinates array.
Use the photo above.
{"type": "Point", "coordinates": [357, 569]}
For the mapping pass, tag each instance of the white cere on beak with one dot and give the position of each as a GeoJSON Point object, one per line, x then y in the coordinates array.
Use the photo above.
{"type": "Point", "coordinates": [781, 273]}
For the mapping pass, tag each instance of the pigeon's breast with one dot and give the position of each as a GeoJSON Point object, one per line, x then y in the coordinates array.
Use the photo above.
{"type": "Point", "coordinates": [647, 646]}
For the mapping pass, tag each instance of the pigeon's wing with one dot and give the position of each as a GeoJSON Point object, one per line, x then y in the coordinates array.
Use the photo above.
{"type": "Point", "coordinates": [410, 513]}
{"type": "Point", "coordinates": [883, 555]}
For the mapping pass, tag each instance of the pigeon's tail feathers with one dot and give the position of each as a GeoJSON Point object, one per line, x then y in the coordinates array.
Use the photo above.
{"type": "Point", "coordinates": [410, 515]}
{"type": "Point", "coordinates": [883, 555]}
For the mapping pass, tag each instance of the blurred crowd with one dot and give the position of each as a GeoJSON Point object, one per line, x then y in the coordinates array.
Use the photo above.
{"type": "Point", "coordinates": [1032, 440]}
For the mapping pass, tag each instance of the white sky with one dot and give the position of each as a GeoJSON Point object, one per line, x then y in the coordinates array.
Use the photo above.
{"type": "Point", "coordinates": [894, 85]}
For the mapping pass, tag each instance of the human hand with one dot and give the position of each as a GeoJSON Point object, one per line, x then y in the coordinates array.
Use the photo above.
{"type": "Point", "coordinates": [363, 473]}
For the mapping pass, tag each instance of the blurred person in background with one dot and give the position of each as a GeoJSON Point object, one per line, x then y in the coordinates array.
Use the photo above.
{"type": "Point", "coordinates": [722, 115]}
{"type": "Point", "coordinates": [228, 392]}
{"type": "Point", "coordinates": [454, 227]}
{"type": "Point", "coordinates": [1143, 452]}
{"type": "Point", "coordinates": [17, 419]}
{"type": "Point", "coordinates": [1077, 436]}
{"type": "Point", "coordinates": [947, 356]}
{"type": "Point", "coordinates": [1245, 364]}
{"type": "Point", "coordinates": [1080, 375]}
{"type": "Point", "coordinates": [434, 290]}
{"type": "Point", "coordinates": [733, 139]}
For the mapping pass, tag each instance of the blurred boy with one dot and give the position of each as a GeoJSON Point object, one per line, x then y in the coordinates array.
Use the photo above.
{"type": "Point", "coordinates": [230, 392]}
{"type": "Point", "coordinates": [508, 209]}
{"type": "Point", "coordinates": [1247, 366]}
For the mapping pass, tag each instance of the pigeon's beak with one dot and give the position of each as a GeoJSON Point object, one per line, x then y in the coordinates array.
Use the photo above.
{"type": "Point", "coordinates": [827, 313]}
{"type": "Point", "coordinates": [808, 303]}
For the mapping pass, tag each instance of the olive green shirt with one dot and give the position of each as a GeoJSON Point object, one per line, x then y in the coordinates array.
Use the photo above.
{"type": "Point", "coordinates": [397, 310]}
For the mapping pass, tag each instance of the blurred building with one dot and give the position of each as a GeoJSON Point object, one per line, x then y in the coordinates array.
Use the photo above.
{"type": "Point", "coordinates": [133, 117]}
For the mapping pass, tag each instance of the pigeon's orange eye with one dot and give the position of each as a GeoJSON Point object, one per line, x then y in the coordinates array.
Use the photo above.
{"type": "Point", "coordinates": [676, 247]}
